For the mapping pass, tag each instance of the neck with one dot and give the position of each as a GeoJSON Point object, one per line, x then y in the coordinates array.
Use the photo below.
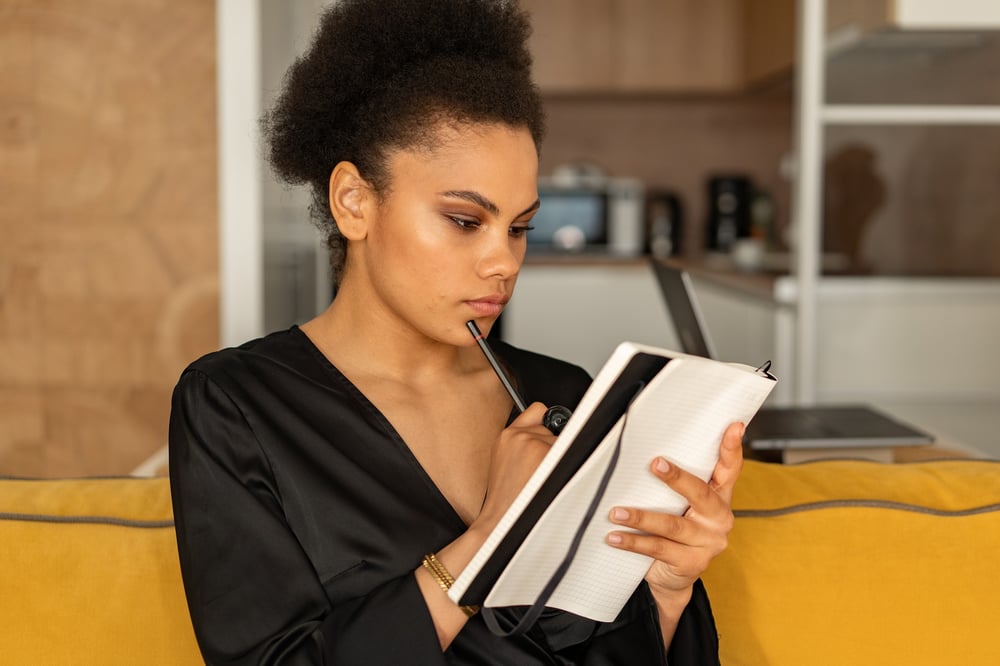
{"type": "Point", "coordinates": [359, 338]}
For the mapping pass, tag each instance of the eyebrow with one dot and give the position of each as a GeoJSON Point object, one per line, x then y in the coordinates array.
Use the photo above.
{"type": "Point", "coordinates": [483, 202]}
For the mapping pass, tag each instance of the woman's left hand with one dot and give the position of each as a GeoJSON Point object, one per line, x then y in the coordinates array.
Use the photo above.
{"type": "Point", "coordinates": [683, 546]}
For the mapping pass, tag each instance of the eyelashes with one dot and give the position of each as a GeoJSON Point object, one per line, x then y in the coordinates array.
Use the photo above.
{"type": "Point", "coordinates": [467, 224]}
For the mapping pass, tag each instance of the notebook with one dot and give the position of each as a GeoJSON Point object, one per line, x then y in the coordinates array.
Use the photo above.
{"type": "Point", "coordinates": [822, 427]}
{"type": "Point", "coordinates": [549, 549]}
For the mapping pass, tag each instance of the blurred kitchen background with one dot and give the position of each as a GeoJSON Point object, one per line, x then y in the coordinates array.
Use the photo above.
{"type": "Point", "coordinates": [141, 228]}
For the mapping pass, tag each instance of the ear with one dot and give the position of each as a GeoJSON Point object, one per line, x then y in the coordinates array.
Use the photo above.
{"type": "Point", "coordinates": [350, 195]}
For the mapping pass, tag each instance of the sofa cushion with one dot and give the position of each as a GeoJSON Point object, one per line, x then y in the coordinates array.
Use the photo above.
{"type": "Point", "coordinates": [89, 574]}
{"type": "Point", "coordinates": [855, 562]}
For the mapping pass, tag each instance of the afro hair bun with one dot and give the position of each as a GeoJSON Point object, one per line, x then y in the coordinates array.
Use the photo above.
{"type": "Point", "coordinates": [379, 73]}
{"type": "Point", "coordinates": [386, 50]}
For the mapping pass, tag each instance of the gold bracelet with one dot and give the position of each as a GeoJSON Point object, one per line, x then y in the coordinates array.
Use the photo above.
{"type": "Point", "coordinates": [444, 579]}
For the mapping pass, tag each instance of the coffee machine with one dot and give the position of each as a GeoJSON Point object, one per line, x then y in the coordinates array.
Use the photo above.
{"type": "Point", "coordinates": [664, 223]}
{"type": "Point", "coordinates": [730, 199]}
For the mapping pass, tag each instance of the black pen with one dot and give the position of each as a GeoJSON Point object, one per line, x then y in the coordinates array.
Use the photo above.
{"type": "Point", "coordinates": [555, 417]}
{"type": "Point", "coordinates": [481, 340]}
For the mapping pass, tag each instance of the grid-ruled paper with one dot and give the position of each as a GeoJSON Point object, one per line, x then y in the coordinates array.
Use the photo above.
{"type": "Point", "coordinates": [680, 415]}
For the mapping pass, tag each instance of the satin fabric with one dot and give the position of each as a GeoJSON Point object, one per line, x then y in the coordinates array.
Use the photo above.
{"type": "Point", "coordinates": [301, 515]}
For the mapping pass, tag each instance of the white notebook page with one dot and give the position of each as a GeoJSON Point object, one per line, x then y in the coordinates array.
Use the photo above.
{"type": "Point", "coordinates": [681, 415]}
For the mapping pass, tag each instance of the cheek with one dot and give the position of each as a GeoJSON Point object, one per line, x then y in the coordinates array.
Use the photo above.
{"type": "Point", "coordinates": [418, 259]}
{"type": "Point", "coordinates": [423, 256]}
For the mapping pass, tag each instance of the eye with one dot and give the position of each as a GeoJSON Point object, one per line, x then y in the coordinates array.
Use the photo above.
{"type": "Point", "coordinates": [520, 231]}
{"type": "Point", "coordinates": [464, 223]}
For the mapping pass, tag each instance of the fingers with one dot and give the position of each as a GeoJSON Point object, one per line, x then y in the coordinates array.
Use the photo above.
{"type": "Point", "coordinates": [708, 510]}
{"type": "Point", "coordinates": [684, 543]}
{"type": "Point", "coordinates": [709, 519]}
{"type": "Point", "coordinates": [730, 464]}
{"type": "Point", "coordinates": [702, 497]}
{"type": "Point", "coordinates": [683, 546]}
{"type": "Point", "coordinates": [515, 457]}
{"type": "Point", "coordinates": [724, 475]}
{"type": "Point", "coordinates": [531, 416]}
{"type": "Point", "coordinates": [663, 525]}
{"type": "Point", "coordinates": [527, 431]}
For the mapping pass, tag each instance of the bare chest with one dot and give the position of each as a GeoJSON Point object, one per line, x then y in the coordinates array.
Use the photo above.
{"type": "Point", "coordinates": [452, 439]}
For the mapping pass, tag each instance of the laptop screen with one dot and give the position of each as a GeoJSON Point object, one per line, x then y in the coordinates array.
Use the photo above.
{"type": "Point", "coordinates": [675, 285]}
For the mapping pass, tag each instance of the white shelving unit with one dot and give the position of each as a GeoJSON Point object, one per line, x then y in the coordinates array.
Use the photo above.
{"type": "Point", "coordinates": [273, 267]}
{"type": "Point", "coordinates": [813, 115]}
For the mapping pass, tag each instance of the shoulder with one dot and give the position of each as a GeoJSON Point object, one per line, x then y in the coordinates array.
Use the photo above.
{"type": "Point", "coordinates": [224, 396]}
{"type": "Point", "coordinates": [254, 358]}
{"type": "Point", "coordinates": [257, 372]}
{"type": "Point", "coordinates": [544, 378]}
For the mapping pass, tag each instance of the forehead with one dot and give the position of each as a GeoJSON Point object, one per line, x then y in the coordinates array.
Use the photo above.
{"type": "Point", "coordinates": [463, 152]}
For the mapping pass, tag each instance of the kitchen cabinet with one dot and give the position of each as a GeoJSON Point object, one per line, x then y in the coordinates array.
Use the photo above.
{"type": "Point", "coordinates": [715, 46]}
{"type": "Point", "coordinates": [636, 46]}
{"type": "Point", "coordinates": [769, 31]}
{"type": "Point", "coordinates": [860, 29]}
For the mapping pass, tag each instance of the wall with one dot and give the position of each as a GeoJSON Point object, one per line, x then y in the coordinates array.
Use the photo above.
{"type": "Point", "coordinates": [915, 200]}
{"type": "Point", "coordinates": [901, 201]}
{"type": "Point", "coordinates": [676, 142]}
{"type": "Point", "coordinates": [108, 257]}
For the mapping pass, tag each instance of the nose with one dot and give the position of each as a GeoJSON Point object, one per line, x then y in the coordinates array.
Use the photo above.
{"type": "Point", "coordinates": [501, 256]}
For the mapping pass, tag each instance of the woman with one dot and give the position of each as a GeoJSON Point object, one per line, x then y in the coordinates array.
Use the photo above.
{"type": "Point", "coordinates": [327, 479]}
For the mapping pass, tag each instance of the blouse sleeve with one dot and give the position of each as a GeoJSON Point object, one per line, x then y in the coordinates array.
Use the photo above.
{"type": "Point", "coordinates": [253, 594]}
{"type": "Point", "coordinates": [696, 640]}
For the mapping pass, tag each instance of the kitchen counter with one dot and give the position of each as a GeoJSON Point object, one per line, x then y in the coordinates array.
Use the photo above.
{"type": "Point", "coordinates": [923, 348]}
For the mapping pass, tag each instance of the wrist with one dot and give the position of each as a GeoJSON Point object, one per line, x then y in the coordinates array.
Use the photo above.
{"type": "Point", "coordinates": [444, 579]}
{"type": "Point", "coordinates": [448, 617]}
{"type": "Point", "coordinates": [457, 554]}
{"type": "Point", "coordinates": [670, 602]}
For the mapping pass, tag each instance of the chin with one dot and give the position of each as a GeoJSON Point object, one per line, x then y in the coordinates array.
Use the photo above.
{"type": "Point", "coordinates": [485, 324]}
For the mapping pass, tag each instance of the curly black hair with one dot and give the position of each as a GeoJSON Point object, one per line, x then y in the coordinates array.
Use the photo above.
{"type": "Point", "coordinates": [380, 75]}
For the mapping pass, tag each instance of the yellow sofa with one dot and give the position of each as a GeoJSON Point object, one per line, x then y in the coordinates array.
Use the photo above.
{"type": "Point", "coordinates": [856, 563]}
{"type": "Point", "coordinates": [89, 574]}
{"type": "Point", "coordinates": [836, 562]}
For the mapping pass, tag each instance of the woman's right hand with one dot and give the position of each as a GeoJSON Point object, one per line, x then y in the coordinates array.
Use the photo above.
{"type": "Point", "coordinates": [516, 454]}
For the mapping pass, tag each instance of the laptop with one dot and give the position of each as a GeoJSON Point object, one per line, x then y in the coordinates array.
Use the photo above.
{"type": "Point", "coordinates": [781, 429]}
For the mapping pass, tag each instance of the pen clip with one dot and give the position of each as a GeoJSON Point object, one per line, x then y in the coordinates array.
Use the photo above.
{"type": "Point", "coordinates": [764, 369]}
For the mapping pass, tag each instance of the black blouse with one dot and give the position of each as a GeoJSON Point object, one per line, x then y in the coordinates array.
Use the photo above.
{"type": "Point", "coordinates": [301, 515]}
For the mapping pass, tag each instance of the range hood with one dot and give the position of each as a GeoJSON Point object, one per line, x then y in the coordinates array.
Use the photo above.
{"type": "Point", "coordinates": [898, 66]}
{"type": "Point", "coordinates": [946, 14]}
{"type": "Point", "coordinates": [913, 52]}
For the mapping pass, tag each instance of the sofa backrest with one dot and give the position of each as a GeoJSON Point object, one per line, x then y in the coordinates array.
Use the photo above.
{"type": "Point", "coordinates": [836, 562]}
{"type": "Point", "coordinates": [89, 574]}
{"type": "Point", "coordinates": [854, 562]}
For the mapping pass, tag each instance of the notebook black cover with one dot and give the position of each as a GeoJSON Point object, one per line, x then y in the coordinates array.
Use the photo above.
{"type": "Point", "coordinates": [640, 369]}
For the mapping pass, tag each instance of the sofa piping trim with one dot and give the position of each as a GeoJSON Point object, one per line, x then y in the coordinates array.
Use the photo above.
{"type": "Point", "coordinates": [867, 504]}
{"type": "Point", "coordinates": [89, 520]}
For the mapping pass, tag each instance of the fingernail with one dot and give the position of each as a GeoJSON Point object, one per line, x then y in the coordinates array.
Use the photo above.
{"type": "Point", "coordinates": [619, 514]}
{"type": "Point", "coordinates": [614, 538]}
{"type": "Point", "coordinates": [662, 465]}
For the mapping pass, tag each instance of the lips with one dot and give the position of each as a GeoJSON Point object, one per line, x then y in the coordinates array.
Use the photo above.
{"type": "Point", "coordinates": [488, 305]}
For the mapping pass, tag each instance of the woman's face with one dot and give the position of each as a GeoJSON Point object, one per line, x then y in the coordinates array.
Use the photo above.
{"type": "Point", "coordinates": [449, 237]}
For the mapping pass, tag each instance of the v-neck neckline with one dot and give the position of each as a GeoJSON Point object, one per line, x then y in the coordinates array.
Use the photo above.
{"type": "Point", "coordinates": [390, 430]}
